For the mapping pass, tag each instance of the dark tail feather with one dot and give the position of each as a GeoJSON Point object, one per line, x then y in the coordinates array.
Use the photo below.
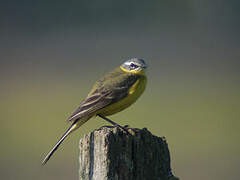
{"type": "Point", "coordinates": [69, 130]}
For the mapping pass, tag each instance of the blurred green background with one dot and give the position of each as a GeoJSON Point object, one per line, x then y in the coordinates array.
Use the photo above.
{"type": "Point", "coordinates": [51, 52]}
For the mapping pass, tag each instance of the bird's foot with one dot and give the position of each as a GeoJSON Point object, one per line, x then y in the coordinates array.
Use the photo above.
{"type": "Point", "coordinates": [132, 131]}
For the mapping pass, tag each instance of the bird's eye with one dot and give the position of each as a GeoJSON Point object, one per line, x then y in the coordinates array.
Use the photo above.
{"type": "Point", "coordinates": [133, 66]}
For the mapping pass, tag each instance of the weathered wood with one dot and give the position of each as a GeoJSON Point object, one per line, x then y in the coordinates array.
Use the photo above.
{"type": "Point", "coordinates": [110, 154]}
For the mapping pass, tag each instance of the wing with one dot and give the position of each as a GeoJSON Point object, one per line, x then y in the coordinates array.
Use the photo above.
{"type": "Point", "coordinates": [105, 92]}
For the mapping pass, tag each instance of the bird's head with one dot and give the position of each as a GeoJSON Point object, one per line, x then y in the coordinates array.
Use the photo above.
{"type": "Point", "coordinates": [134, 65]}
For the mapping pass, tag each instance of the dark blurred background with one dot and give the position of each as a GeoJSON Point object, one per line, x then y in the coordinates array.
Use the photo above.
{"type": "Point", "coordinates": [51, 52]}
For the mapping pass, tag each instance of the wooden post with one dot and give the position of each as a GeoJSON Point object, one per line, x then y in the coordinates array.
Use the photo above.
{"type": "Point", "coordinates": [111, 154]}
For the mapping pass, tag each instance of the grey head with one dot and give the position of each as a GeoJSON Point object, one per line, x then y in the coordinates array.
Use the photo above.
{"type": "Point", "coordinates": [134, 64]}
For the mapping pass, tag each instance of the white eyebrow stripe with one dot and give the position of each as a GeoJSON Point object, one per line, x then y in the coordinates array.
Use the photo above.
{"type": "Point", "coordinates": [128, 63]}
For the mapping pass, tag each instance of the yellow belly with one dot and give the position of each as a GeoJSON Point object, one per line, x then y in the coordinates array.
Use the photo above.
{"type": "Point", "coordinates": [133, 94]}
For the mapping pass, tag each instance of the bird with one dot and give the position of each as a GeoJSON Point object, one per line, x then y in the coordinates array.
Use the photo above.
{"type": "Point", "coordinates": [112, 93]}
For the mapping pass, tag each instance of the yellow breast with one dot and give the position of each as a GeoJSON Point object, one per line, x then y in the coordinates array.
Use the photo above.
{"type": "Point", "coordinates": [133, 94]}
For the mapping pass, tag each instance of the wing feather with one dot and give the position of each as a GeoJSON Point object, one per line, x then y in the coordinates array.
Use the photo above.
{"type": "Point", "coordinates": [104, 95]}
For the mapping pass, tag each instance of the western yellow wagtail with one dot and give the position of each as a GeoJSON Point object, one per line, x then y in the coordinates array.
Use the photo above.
{"type": "Point", "coordinates": [114, 92]}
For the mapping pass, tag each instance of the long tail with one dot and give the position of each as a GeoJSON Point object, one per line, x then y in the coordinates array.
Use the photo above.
{"type": "Point", "coordinates": [69, 130]}
{"type": "Point", "coordinates": [77, 123]}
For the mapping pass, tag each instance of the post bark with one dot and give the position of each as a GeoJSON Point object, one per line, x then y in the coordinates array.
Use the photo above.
{"type": "Point", "coordinates": [111, 154]}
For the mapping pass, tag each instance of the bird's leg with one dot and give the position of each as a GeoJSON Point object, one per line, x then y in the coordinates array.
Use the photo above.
{"type": "Point", "coordinates": [113, 123]}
